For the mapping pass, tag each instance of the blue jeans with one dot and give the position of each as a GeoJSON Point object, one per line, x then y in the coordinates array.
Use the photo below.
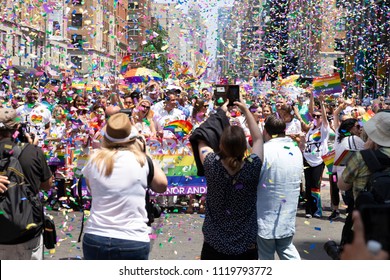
{"type": "Point", "coordinates": [284, 247]}
{"type": "Point", "coordinates": [97, 247]}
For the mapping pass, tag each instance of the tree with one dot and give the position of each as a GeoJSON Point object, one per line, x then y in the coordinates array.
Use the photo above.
{"type": "Point", "coordinates": [154, 54]}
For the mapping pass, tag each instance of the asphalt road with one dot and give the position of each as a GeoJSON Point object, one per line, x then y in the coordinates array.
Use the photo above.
{"type": "Point", "coordinates": [179, 236]}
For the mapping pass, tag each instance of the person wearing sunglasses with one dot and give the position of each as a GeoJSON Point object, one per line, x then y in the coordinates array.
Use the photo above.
{"type": "Point", "coordinates": [143, 119]}
{"type": "Point", "coordinates": [316, 146]}
{"type": "Point", "coordinates": [347, 138]}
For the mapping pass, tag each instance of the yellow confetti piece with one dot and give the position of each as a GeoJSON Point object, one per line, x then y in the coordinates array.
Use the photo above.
{"type": "Point", "coordinates": [52, 251]}
{"type": "Point", "coordinates": [30, 226]}
{"type": "Point", "coordinates": [306, 222]}
{"type": "Point", "coordinates": [306, 252]}
{"type": "Point", "coordinates": [270, 181]}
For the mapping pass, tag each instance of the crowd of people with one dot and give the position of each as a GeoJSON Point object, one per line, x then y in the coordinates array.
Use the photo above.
{"type": "Point", "coordinates": [267, 154]}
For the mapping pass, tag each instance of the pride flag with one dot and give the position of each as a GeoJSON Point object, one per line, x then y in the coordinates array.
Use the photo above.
{"type": "Point", "coordinates": [327, 85]}
{"type": "Point", "coordinates": [368, 115]}
{"type": "Point", "coordinates": [125, 63]}
{"type": "Point", "coordinates": [180, 128]}
{"type": "Point", "coordinates": [329, 160]}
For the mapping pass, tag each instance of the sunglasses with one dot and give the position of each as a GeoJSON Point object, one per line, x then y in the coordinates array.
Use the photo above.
{"type": "Point", "coordinates": [146, 107]}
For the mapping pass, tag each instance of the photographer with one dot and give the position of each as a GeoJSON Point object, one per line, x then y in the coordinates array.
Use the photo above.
{"type": "Point", "coordinates": [358, 249]}
{"type": "Point", "coordinates": [37, 174]}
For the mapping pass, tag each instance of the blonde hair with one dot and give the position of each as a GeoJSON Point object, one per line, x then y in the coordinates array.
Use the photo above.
{"type": "Point", "coordinates": [104, 158]}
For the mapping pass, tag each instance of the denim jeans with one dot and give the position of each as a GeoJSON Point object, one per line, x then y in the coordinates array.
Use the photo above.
{"type": "Point", "coordinates": [97, 247]}
{"type": "Point", "coordinates": [284, 247]}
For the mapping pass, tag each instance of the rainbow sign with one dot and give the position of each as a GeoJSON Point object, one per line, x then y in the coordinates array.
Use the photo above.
{"type": "Point", "coordinates": [181, 174]}
{"type": "Point", "coordinates": [180, 128]}
{"type": "Point", "coordinates": [327, 85]}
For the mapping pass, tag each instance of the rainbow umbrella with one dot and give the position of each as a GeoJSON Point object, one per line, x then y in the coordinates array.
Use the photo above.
{"type": "Point", "coordinates": [140, 75]}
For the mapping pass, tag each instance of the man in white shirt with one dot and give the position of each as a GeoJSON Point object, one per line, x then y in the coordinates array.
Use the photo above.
{"type": "Point", "coordinates": [278, 192]}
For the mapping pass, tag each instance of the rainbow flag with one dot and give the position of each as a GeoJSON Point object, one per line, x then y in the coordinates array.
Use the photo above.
{"type": "Point", "coordinates": [180, 128]}
{"type": "Point", "coordinates": [329, 160]}
{"type": "Point", "coordinates": [115, 3]}
{"type": "Point", "coordinates": [368, 115]}
{"type": "Point", "coordinates": [327, 85]}
{"type": "Point", "coordinates": [344, 158]}
{"type": "Point", "coordinates": [125, 63]}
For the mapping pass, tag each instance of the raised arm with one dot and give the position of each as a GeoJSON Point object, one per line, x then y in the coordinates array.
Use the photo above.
{"type": "Point", "coordinates": [257, 137]}
{"type": "Point", "coordinates": [323, 111]}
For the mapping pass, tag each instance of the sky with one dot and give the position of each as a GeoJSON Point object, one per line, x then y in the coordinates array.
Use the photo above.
{"type": "Point", "coordinates": [209, 11]}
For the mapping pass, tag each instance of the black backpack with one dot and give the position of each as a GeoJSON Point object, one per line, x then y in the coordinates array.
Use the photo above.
{"type": "Point", "coordinates": [21, 216]}
{"type": "Point", "coordinates": [377, 189]}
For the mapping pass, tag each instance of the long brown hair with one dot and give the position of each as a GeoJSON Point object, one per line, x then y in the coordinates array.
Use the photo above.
{"type": "Point", "coordinates": [233, 146]}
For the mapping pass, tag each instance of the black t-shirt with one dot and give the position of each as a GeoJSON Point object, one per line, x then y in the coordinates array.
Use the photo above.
{"type": "Point", "coordinates": [34, 166]}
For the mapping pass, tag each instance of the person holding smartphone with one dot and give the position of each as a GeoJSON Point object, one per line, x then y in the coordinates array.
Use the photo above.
{"type": "Point", "coordinates": [230, 226]}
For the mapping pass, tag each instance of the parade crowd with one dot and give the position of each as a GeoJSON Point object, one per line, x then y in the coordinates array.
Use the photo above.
{"type": "Point", "coordinates": [265, 160]}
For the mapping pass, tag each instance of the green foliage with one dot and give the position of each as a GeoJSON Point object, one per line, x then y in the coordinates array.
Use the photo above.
{"type": "Point", "coordinates": [154, 55]}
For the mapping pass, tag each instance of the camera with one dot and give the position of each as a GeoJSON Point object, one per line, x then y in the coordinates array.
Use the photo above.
{"type": "Point", "coordinates": [128, 112]}
{"type": "Point", "coordinates": [332, 249]}
{"type": "Point", "coordinates": [23, 129]}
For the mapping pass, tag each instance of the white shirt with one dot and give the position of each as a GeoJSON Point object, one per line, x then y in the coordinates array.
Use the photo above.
{"type": "Point", "coordinates": [118, 208]}
{"type": "Point", "coordinates": [278, 190]}
{"type": "Point", "coordinates": [316, 145]}
{"type": "Point", "coordinates": [353, 142]}
{"type": "Point", "coordinates": [162, 117]}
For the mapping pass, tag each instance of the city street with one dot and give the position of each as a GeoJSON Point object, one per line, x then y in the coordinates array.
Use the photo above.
{"type": "Point", "coordinates": [179, 236]}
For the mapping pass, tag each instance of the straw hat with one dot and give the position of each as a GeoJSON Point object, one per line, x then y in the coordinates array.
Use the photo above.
{"type": "Point", "coordinates": [378, 129]}
{"type": "Point", "coordinates": [119, 129]}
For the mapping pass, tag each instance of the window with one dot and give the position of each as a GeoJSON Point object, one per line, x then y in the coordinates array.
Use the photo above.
{"type": "Point", "coordinates": [76, 60]}
{"type": "Point", "coordinates": [339, 45]}
{"type": "Point", "coordinates": [133, 5]}
{"type": "Point", "coordinates": [133, 28]}
{"type": "Point", "coordinates": [77, 20]}
{"type": "Point", "coordinates": [77, 41]}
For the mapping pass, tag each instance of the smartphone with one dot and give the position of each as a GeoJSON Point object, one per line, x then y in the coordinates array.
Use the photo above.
{"type": "Point", "coordinates": [376, 220]}
{"type": "Point", "coordinates": [224, 92]}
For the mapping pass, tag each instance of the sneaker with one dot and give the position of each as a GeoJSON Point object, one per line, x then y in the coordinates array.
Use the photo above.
{"type": "Point", "coordinates": [308, 216]}
{"type": "Point", "coordinates": [318, 216]}
{"type": "Point", "coordinates": [334, 216]}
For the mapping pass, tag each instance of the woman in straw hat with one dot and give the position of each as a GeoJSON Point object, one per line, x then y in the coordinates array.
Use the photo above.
{"type": "Point", "coordinates": [117, 177]}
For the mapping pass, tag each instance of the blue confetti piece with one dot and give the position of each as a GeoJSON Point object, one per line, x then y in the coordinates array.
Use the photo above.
{"type": "Point", "coordinates": [317, 228]}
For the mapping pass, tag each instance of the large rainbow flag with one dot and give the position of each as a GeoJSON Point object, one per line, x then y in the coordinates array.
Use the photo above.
{"type": "Point", "coordinates": [125, 63]}
{"type": "Point", "coordinates": [327, 84]}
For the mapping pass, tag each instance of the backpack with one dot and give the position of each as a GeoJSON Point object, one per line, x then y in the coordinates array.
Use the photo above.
{"type": "Point", "coordinates": [377, 189]}
{"type": "Point", "coordinates": [21, 211]}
